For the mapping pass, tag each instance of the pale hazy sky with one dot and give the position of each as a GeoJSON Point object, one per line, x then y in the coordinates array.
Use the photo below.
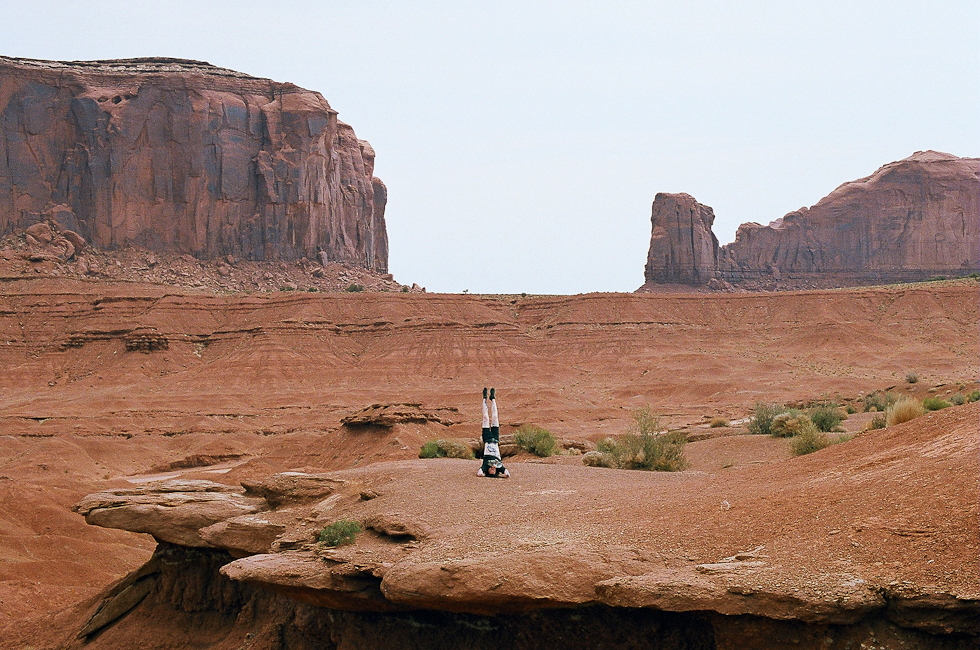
{"type": "Point", "coordinates": [522, 143]}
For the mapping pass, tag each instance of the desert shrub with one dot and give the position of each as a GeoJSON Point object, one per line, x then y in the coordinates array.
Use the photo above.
{"type": "Point", "coordinates": [286, 287]}
{"type": "Point", "coordinates": [355, 288]}
{"type": "Point", "coordinates": [808, 440]}
{"type": "Point", "coordinates": [877, 422]}
{"type": "Point", "coordinates": [958, 399]}
{"type": "Point", "coordinates": [826, 417]}
{"type": "Point", "coordinates": [606, 445]}
{"type": "Point", "coordinates": [445, 449]}
{"type": "Point", "coordinates": [912, 378]}
{"type": "Point", "coordinates": [718, 421]}
{"type": "Point", "coordinates": [789, 424]}
{"type": "Point", "coordinates": [340, 532]}
{"type": "Point", "coordinates": [975, 275]}
{"type": "Point", "coordinates": [405, 289]}
{"type": "Point", "coordinates": [762, 417]}
{"type": "Point", "coordinates": [536, 440]}
{"type": "Point", "coordinates": [878, 401]}
{"type": "Point", "coordinates": [659, 453]}
{"type": "Point", "coordinates": [312, 290]}
{"type": "Point", "coordinates": [642, 447]}
{"type": "Point", "coordinates": [974, 396]}
{"type": "Point", "coordinates": [935, 403]}
{"type": "Point", "coordinates": [644, 423]}
{"type": "Point", "coordinates": [903, 410]}
{"type": "Point", "coordinates": [850, 410]}
{"type": "Point", "coordinates": [599, 459]}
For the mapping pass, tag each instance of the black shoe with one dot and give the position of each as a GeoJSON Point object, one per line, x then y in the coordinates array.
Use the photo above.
{"type": "Point", "coordinates": [491, 393]}
{"type": "Point", "coordinates": [484, 392]}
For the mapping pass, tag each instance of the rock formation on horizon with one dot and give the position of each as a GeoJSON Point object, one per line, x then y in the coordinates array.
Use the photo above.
{"type": "Point", "coordinates": [911, 220]}
{"type": "Point", "coordinates": [177, 155]}
{"type": "Point", "coordinates": [683, 248]}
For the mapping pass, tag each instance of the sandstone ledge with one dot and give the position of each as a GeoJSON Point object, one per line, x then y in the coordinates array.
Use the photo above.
{"type": "Point", "coordinates": [438, 538]}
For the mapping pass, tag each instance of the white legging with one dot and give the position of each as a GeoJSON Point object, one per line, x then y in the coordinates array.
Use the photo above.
{"type": "Point", "coordinates": [490, 416]}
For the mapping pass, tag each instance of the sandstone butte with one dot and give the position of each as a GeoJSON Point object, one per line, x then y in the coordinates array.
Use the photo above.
{"type": "Point", "coordinates": [181, 156]}
{"type": "Point", "coordinates": [208, 438]}
{"type": "Point", "coordinates": [911, 220]}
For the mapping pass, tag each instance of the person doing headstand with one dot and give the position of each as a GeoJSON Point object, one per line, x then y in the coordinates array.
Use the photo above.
{"type": "Point", "coordinates": [492, 467]}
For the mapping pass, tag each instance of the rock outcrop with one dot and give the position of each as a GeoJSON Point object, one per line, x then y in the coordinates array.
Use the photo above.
{"type": "Point", "coordinates": [388, 415]}
{"type": "Point", "coordinates": [174, 511]}
{"type": "Point", "coordinates": [176, 155]}
{"type": "Point", "coordinates": [913, 219]}
{"type": "Point", "coordinates": [683, 249]}
{"type": "Point", "coordinates": [828, 567]}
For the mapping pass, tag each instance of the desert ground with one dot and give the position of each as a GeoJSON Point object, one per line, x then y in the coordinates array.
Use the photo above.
{"type": "Point", "coordinates": [110, 385]}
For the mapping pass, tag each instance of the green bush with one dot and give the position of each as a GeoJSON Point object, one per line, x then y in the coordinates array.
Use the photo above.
{"type": "Point", "coordinates": [644, 447]}
{"type": "Point", "coordinates": [958, 399]}
{"type": "Point", "coordinates": [935, 403]}
{"type": "Point", "coordinates": [355, 288]}
{"type": "Point", "coordinates": [912, 378]}
{"type": "Point", "coordinates": [826, 417]}
{"type": "Point", "coordinates": [850, 410]}
{"type": "Point", "coordinates": [974, 396]}
{"type": "Point", "coordinates": [446, 449]}
{"type": "Point", "coordinates": [762, 417]}
{"type": "Point", "coordinates": [809, 440]}
{"type": "Point", "coordinates": [789, 424]}
{"type": "Point", "coordinates": [878, 401]}
{"type": "Point", "coordinates": [340, 532]}
{"type": "Point", "coordinates": [536, 440]}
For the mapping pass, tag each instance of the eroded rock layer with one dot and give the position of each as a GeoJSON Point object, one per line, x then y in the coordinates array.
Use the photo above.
{"type": "Point", "coordinates": [177, 155]}
{"type": "Point", "coordinates": [913, 219]}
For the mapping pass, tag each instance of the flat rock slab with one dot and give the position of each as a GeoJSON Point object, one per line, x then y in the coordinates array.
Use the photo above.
{"type": "Point", "coordinates": [171, 511]}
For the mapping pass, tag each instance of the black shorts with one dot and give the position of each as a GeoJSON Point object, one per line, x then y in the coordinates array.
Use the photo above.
{"type": "Point", "coordinates": [491, 435]}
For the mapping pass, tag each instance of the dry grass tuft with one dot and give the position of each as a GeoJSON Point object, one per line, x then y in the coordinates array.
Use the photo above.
{"type": "Point", "coordinates": [905, 409]}
{"type": "Point", "coordinates": [717, 422]}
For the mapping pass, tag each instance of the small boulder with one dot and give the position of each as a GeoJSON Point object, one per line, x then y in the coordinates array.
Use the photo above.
{"type": "Point", "coordinates": [65, 249]}
{"type": "Point", "coordinates": [41, 232]}
{"type": "Point", "coordinates": [76, 240]}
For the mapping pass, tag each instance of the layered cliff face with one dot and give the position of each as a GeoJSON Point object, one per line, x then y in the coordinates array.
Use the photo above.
{"type": "Point", "coordinates": [177, 155]}
{"type": "Point", "coordinates": [911, 220]}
